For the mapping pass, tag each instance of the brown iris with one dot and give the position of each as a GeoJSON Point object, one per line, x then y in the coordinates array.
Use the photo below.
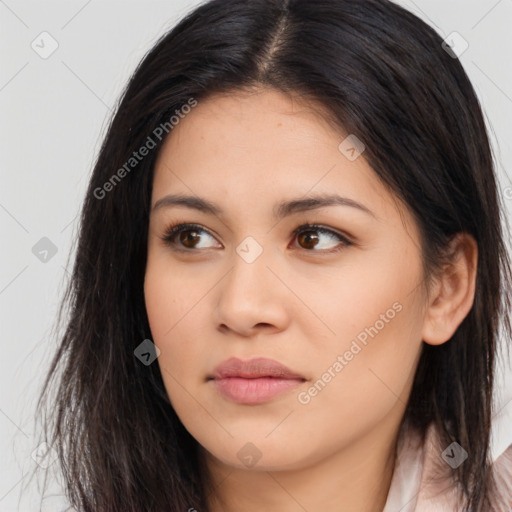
{"type": "Point", "coordinates": [307, 237]}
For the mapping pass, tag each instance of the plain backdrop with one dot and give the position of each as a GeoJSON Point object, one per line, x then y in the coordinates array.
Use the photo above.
{"type": "Point", "coordinates": [54, 112]}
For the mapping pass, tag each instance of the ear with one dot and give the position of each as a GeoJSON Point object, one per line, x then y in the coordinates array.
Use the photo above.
{"type": "Point", "coordinates": [453, 292]}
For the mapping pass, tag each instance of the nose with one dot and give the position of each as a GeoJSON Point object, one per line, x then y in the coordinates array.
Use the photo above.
{"type": "Point", "coordinates": [251, 298]}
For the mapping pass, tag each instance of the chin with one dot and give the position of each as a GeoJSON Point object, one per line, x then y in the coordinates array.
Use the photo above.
{"type": "Point", "coordinates": [261, 455]}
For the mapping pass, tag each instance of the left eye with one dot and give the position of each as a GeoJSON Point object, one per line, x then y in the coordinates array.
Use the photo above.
{"type": "Point", "coordinates": [311, 237]}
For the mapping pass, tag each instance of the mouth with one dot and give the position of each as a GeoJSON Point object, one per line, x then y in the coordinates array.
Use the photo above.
{"type": "Point", "coordinates": [253, 381]}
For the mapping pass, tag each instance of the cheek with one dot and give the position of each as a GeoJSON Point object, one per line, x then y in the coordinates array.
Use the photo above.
{"type": "Point", "coordinates": [169, 295]}
{"type": "Point", "coordinates": [358, 384]}
{"type": "Point", "coordinates": [173, 304]}
{"type": "Point", "coordinates": [366, 368]}
{"type": "Point", "coordinates": [173, 313]}
{"type": "Point", "coordinates": [167, 302]}
{"type": "Point", "coordinates": [380, 291]}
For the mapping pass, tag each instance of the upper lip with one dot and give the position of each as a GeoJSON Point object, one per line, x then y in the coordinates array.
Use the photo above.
{"type": "Point", "coordinates": [253, 369]}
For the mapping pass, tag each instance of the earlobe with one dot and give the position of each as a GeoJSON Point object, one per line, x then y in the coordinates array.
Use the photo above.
{"type": "Point", "coordinates": [453, 292]}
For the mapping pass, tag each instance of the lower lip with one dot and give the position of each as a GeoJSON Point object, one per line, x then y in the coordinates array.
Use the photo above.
{"type": "Point", "coordinates": [254, 391]}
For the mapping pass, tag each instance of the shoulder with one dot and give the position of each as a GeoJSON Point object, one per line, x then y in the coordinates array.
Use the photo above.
{"type": "Point", "coordinates": [438, 489]}
{"type": "Point", "coordinates": [502, 469]}
{"type": "Point", "coordinates": [423, 479]}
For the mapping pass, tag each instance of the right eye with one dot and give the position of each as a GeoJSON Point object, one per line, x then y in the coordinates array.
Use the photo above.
{"type": "Point", "coordinates": [189, 236]}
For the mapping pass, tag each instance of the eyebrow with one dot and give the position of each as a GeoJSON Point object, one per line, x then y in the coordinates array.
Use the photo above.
{"type": "Point", "coordinates": [280, 210]}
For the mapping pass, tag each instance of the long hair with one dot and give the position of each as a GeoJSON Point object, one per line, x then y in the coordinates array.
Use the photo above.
{"type": "Point", "coordinates": [381, 74]}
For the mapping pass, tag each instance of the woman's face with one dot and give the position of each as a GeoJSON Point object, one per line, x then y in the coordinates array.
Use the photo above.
{"type": "Point", "coordinates": [343, 309]}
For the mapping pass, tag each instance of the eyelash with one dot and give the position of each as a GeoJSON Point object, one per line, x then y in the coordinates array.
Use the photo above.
{"type": "Point", "coordinates": [175, 229]}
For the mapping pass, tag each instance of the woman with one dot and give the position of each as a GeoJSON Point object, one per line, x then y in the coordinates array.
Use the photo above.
{"type": "Point", "coordinates": [290, 274]}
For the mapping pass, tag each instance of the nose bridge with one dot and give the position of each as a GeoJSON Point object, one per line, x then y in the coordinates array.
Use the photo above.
{"type": "Point", "coordinates": [250, 265]}
{"type": "Point", "coordinates": [249, 293]}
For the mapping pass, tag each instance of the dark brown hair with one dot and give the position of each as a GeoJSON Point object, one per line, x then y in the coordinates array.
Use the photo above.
{"type": "Point", "coordinates": [382, 74]}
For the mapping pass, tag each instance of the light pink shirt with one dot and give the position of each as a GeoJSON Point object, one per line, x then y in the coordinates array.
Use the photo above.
{"type": "Point", "coordinates": [423, 481]}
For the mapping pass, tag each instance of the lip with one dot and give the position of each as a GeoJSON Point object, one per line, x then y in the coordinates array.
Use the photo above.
{"type": "Point", "coordinates": [253, 381]}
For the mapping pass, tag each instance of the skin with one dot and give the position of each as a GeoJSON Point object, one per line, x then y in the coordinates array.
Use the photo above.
{"type": "Point", "coordinates": [294, 303]}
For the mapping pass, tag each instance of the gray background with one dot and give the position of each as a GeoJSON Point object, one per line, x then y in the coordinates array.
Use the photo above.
{"type": "Point", "coordinates": [54, 113]}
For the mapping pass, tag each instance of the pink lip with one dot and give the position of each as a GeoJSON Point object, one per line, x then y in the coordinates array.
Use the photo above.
{"type": "Point", "coordinates": [253, 381]}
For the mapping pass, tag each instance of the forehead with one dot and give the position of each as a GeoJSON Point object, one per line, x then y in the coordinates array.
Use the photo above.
{"type": "Point", "coordinates": [253, 147]}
